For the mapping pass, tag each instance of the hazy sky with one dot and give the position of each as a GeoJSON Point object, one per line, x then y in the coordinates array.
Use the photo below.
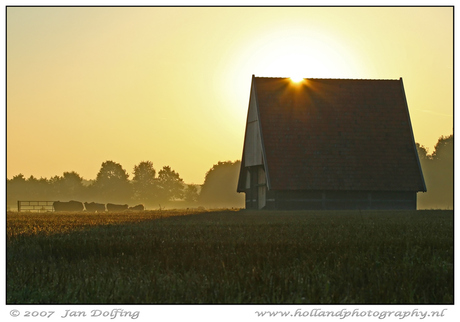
{"type": "Point", "coordinates": [171, 85]}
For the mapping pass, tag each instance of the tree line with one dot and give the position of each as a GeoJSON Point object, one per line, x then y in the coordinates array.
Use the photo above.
{"type": "Point", "coordinates": [438, 172]}
{"type": "Point", "coordinates": [167, 189]}
{"type": "Point", "coordinates": [147, 186]}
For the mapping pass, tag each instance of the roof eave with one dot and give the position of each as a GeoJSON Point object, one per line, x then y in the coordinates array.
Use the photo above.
{"type": "Point", "coordinates": [264, 156]}
{"type": "Point", "coordinates": [242, 175]}
{"type": "Point", "coordinates": [413, 139]}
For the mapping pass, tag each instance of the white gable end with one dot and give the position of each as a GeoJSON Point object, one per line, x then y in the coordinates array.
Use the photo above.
{"type": "Point", "coordinates": [253, 145]}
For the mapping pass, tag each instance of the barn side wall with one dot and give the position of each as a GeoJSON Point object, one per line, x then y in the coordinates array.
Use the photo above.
{"type": "Point", "coordinates": [252, 187]}
{"type": "Point", "coordinates": [335, 200]}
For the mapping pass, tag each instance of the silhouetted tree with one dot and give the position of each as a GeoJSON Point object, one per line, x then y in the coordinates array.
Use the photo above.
{"type": "Point", "coordinates": [191, 193]}
{"type": "Point", "coordinates": [444, 149]}
{"type": "Point", "coordinates": [19, 178]}
{"type": "Point", "coordinates": [438, 171]}
{"type": "Point", "coordinates": [112, 184]}
{"type": "Point", "coordinates": [145, 188]}
{"type": "Point", "coordinates": [37, 189]}
{"type": "Point", "coordinates": [422, 152]}
{"type": "Point", "coordinates": [16, 189]}
{"type": "Point", "coordinates": [442, 184]}
{"type": "Point", "coordinates": [68, 187]}
{"type": "Point", "coordinates": [219, 187]}
{"type": "Point", "coordinates": [170, 185]}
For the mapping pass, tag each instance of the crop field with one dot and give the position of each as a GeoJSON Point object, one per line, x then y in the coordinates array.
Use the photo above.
{"type": "Point", "coordinates": [229, 256]}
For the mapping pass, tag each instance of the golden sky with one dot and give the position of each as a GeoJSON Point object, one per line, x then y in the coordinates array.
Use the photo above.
{"type": "Point", "coordinates": [171, 85]}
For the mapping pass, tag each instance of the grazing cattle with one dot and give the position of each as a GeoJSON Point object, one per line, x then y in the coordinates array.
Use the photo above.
{"type": "Point", "coordinates": [94, 207]}
{"type": "Point", "coordinates": [71, 205]}
{"type": "Point", "coordinates": [114, 207]}
{"type": "Point", "coordinates": [137, 208]}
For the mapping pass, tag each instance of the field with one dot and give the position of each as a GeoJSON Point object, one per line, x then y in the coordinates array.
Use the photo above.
{"type": "Point", "coordinates": [231, 257]}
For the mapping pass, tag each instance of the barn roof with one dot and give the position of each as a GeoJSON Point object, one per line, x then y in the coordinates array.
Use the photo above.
{"type": "Point", "coordinates": [335, 134]}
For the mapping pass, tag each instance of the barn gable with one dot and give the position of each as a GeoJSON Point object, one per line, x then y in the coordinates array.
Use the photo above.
{"type": "Point", "coordinates": [253, 143]}
{"type": "Point", "coordinates": [323, 142]}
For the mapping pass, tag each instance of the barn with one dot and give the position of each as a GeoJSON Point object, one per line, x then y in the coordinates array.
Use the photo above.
{"type": "Point", "coordinates": [329, 144]}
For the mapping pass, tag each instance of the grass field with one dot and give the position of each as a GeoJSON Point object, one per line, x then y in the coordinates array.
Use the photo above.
{"type": "Point", "coordinates": [231, 257]}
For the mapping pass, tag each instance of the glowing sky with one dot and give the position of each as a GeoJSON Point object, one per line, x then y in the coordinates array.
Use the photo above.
{"type": "Point", "coordinates": [171, 85]}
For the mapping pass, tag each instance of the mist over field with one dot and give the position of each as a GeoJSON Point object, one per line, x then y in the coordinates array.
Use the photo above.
{"type": "Point", "coordinates": [163, 189]}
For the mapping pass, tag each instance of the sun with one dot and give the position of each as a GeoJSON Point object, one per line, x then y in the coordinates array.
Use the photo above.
{"type": "Point", "coordinates": [296, 78]}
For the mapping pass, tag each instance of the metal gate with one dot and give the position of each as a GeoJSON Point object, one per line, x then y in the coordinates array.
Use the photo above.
{"type": "Point", "coordinates": [35, 206]}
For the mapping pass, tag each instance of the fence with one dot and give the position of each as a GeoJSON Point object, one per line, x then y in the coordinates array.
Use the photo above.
{"type": "Point", "coordinates": [35, 206]}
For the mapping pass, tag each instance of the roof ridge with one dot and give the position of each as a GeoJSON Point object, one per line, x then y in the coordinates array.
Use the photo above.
{"type": "Point", "coordinates": [315, 78]}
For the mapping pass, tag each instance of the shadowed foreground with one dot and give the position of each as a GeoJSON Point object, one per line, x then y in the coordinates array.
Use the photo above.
{"type": "Point", "coordinates": [231, 257]}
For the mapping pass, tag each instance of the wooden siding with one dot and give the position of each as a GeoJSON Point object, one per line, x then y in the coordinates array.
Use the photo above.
{"type": "Point", "coordinates": [333, 200]}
